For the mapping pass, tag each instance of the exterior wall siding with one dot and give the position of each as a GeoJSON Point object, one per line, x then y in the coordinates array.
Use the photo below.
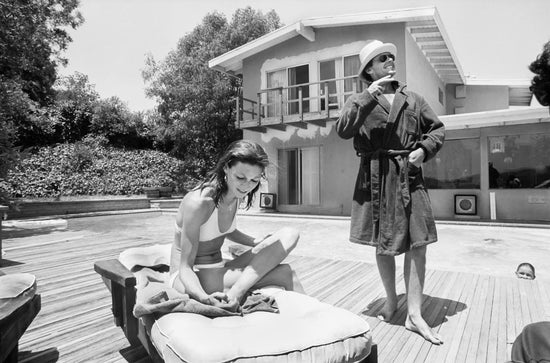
{"type": "Point", "coordinates": [421, 77]}
{"type": "Point", "coordinates": [478, 99]}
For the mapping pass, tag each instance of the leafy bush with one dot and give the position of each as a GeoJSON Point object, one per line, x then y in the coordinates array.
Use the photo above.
{"type": "Point", "coordinates": [91, 168]}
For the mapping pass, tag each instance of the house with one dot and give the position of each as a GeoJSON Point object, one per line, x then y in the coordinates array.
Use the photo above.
{"type": "Point", "coordinates": [495, 163]}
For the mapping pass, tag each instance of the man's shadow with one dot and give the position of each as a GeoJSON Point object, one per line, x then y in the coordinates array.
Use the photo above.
{"type": "Point", "coordinates": [435, 310]}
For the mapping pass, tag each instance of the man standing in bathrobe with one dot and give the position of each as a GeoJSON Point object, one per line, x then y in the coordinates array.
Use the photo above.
{"type": "Point", "coordinates": [394, 131]}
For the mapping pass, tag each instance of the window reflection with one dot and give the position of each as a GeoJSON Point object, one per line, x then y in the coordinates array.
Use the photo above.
{"type": "Point", "coordinates": [456, 166]}
{"type": "Point", "coordinates": [519, 161]}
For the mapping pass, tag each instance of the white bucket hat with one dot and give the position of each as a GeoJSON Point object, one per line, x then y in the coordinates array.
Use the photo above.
{"type": "Point", "coordinates": [371, 50]}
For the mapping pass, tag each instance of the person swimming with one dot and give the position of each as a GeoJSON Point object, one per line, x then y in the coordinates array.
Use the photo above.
{"type": "Point", "coordinates": [525, 271]}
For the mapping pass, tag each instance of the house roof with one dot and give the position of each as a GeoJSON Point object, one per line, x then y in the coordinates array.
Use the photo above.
{"type": "Point", "coordinates": [424, 25]}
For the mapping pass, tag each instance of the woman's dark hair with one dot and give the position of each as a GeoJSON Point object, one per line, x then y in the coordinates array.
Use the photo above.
{"type": "Point", "coordinates": [540, 84]}
{"type": "Point", "coordinates": [245, 151]}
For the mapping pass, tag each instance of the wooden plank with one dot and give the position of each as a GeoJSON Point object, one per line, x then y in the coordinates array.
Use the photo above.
{"type": "Point", "coordinates": [493, 328]}
{"type": "Point", "coordinates": [481, 354]}
{"type": "Point", "coordinates": [473, 326]}
{"type": "Point", "coordinates": [431, 302]}
{"type": "Point", "coordinates": [437, 317]}
{"type": "Point", "coordinates": [448, 329]}
{"type": "Point", "coordinates": [544, 289]}
{"type": "Point", "coordinates": [456, 343]}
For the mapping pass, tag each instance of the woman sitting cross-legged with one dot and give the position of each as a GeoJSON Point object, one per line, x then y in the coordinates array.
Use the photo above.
{"type": "Point", "coordinates": [207, 215]}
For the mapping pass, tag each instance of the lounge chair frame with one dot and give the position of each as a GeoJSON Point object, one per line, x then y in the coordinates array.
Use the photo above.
{"type": "Point", "coordinates": [17, 314]}
{"type": "Point", "coordinates": [122, 284]}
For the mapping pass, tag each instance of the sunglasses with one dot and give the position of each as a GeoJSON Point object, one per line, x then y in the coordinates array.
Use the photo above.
{"type": "Point", "coordinates": [384, 57]}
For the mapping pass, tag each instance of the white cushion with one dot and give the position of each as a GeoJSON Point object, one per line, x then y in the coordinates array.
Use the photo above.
{"type": "Point", "coordinates": [304, 330]}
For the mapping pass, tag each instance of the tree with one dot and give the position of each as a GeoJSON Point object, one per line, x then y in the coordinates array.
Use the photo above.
{"type": "Point", "coordinates": [196, 103]}
{"type": "Point", "coordinates": [123, 128]}
{"type": "Point", "coordinates": [540, 84]}
{"type": "Point", "coordinates": [33, 35]}
{"type": "Point", "coordinates": [74, 106]}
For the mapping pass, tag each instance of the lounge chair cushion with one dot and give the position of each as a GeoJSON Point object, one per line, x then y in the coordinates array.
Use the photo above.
{"type": "Point", "coordinates": [13, 285]}
{"type": "Point", "coordinates": [305, 330]}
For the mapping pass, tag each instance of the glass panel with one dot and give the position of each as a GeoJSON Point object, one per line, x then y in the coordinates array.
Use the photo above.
{"type": "Point", "coordinates": [456, 166]}
{"type": "Point", "coordinates": [274, 79]}
{"type": "Point", "coordinates": [310, 175]}
{"type": "Point", "coordinates": [327, 71]}
{"type": "Point", "coordinates": [298, 75]}
{"type": "Point", "coordinates": [288, 176]}
{"type": "Point", "coordinates": [292, 180]}
{"type": "Point", "coordinates": [351, 67]}
{"type": "Point", "coordinates": [519, 161]}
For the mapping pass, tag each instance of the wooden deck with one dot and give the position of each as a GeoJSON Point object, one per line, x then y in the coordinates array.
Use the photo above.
{"type": "Point", "coordinates": [479, 316]}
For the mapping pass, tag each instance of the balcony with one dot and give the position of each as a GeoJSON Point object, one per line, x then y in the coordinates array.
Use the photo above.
{"type": "Point", "coordinates": [297, 105]}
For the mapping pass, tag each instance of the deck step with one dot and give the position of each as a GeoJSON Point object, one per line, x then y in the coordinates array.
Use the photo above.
{"type": "Point", "coordinates": [165, 203]}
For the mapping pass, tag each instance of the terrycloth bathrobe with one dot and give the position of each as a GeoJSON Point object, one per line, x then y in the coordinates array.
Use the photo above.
{"type": "Point", "coordinates": [391, 208]}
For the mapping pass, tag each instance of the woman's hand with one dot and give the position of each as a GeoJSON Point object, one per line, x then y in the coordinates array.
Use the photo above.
{"type": "Point", "coordinates": [377, 87]}
{"type": "Point", "coordinates": [417, 156]}
{"type": "Point", "coordinates": [220, 300]}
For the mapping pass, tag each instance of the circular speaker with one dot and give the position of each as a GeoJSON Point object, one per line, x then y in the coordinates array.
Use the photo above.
{"type": "Point", "coordinates": [465, 204]}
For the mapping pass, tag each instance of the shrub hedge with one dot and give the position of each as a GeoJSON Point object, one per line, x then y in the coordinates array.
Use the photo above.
{"type": "Point", "coordinates": [90, 167]}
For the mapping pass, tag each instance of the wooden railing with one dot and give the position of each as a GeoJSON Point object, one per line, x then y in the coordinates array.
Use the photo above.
{"type": "Point", "coordinates": [312, 101]}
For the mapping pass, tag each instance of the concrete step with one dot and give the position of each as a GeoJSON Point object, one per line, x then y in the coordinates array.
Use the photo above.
{"type": "Point", "coordinates": [165, 203]}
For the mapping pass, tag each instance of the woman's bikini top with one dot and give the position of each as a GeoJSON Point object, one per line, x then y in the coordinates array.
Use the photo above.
{"type": "Point", "coordinates": [210, 229]}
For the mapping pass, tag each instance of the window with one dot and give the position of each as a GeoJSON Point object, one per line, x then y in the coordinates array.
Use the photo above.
{"type": "Point", "coordinates": [299, 176]}
{"type": "Point", "coordinates": [351, 82]}
{"type": "Point", "coordinates": [274, 79]}
{"type": "Point", "coordinates": [296, 76]}
{"type": "Point", "coordinates": [519, 161]}
{"type": "Point", "coordinates": [285, 78]}
{"type": "Point", "coordinates": [327, 71]}
{"type": "Point", "coordinates": [339, 91]}
{"type": "Point", "coordinates": [456, 166]}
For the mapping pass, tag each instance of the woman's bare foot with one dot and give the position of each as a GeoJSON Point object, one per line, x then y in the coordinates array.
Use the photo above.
{"type": "Point", "coordinates": [419, 325]}
{"type": "Point", "coordinates": [388, 311]}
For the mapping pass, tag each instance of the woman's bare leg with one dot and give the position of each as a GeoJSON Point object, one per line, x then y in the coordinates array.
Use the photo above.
{"type": "Point", "coordinates": [261, 265]}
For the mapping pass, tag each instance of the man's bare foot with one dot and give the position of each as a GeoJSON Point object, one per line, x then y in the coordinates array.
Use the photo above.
{"type": "Point", "coordinates": [420, 326]}
{"type": "Point", "coordinates": [388, 311]}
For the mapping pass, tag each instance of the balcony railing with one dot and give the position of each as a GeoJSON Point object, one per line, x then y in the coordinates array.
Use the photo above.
{"type": "Point", "coordinates": [296, 105]}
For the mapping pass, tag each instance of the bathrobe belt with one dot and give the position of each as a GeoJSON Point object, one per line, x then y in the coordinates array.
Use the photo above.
{"type": "Point", "coordinates": [379, 171]}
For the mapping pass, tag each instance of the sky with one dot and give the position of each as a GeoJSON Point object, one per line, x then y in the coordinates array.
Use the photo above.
{"type": "Point", "coordinates": [492, 39]}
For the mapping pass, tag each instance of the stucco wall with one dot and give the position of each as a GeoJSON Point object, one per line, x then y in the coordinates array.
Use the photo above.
{"type": "Point", "coordinates": [338, 165]}
{"type": "Point", "coordinates": [421, 77]}
{"type": "Point", "coordinates": [478, 98]}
